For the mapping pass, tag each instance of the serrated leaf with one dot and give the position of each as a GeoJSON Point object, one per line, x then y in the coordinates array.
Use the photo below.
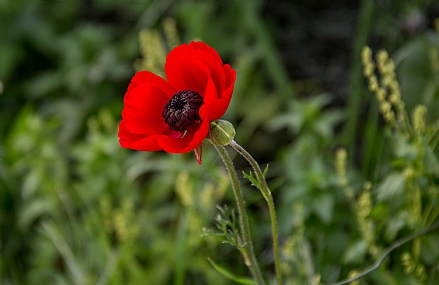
{"type": "Point", "coordinates": [226, 273]}
{"type": "Point", "coordinates": [265, 171]}
{"type": "Point", "coordinates": [252, 179]}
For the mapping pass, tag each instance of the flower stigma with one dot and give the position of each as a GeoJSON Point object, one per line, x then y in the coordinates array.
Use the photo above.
{"type": "Point", "coordinates": [181, 111]}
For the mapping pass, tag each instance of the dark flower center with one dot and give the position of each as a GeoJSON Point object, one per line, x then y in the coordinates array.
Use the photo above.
{"type": "Point", "coordinates": [181, 111]}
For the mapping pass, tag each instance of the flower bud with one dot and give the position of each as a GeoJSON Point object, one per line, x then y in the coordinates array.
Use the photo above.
{"type": "Point", "coordinates": [221, 132]}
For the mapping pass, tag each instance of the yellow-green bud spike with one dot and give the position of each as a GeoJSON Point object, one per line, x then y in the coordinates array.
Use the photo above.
{"type": "Point", "coordinates": [221, 132]}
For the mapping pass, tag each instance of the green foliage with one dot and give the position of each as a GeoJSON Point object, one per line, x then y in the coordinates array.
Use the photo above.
{"type": "Point", "coordinates": [76, 208]}
{"type": "Point", "coordinates": [226, 223]}
{"type": "Point", "coordinates": [231, 276]}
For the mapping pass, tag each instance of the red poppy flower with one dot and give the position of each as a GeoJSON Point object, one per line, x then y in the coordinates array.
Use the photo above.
{"type": "Point", "coordinates": [175, 115]}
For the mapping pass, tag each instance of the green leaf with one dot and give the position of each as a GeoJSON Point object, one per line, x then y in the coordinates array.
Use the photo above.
{"type": "Point", "coordinates": [44, 83]}
{"type": "Point", "coordinates": [323, 206]}
{"type": "Point", "coordinates": [430, 250]}
{"type": "Point", "coordinates": [33, 210]}
{"type": "Point", "coordinates": [392, 186]}
{"type": "Point", "coordinates": [431, 161]}
{"type": "Point", "coordinates": [395, 224]}
{"type": "Point", "coordinates": [73, 264]}
{"type": "Point", "coordinates": [404, 150]}
{"type": "Point", "coordinates": [226, 273]}
{"type": "Point", "coordinates": [379, 212]}
{"type": "Point", "coordinates": [414, 71]}
{"type": "Point", "coordinates": [355, 252]}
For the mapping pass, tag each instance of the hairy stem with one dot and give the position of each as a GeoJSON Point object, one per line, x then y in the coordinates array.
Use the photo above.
{"type": "Point", "coordinates": [250, 256]}
{"type": "Point", "coordinates": [267, 195]}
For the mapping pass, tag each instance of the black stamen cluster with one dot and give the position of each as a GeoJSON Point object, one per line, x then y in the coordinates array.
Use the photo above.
{"type": "Point", "coordinates": [181, 111]}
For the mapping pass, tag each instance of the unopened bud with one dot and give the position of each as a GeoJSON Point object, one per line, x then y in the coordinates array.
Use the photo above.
{"type": "Point", "coordinates": [221, 132]}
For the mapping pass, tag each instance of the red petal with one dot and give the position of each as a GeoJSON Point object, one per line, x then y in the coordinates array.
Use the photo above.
{"type": "Point", "coordinates": [230, 74]}
{"type": "Point", "coordinates": [203, 46]}
{"type": "Point", "coordinates": [217, 108]}
{"type": "Point", "coordinates": [172, 68]}
{"type": "Point", "coordinates": [193, 137]}
{"type": "Point", "coordinates": [147, 144]}
{"type": "Point", "coordinates": [204, 78]}
{"type": "Point", "coordinates": [128, 139]}
{"type": "Point", "coordinates": [201, 132]}
{"type": "Point", "coordinates": [182, 69]}
{"type": "Point", "coordinates": [197, 61]}
{"type": "Point", "coordinates": [143, 110]}
{"type": "Point", "coordinates": [135, 141]}
{"type": "Point", "coordinates": [146, 77]}
{"type": "Point", "coordinates": [189, 77]}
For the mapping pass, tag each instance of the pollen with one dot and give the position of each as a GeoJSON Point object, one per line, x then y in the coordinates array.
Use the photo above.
{"type": "Point", "coordinates": [181, 111]}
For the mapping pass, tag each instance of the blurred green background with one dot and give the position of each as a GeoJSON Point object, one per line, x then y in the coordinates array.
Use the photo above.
{"type": "Point", "coordinates": [78, 209]}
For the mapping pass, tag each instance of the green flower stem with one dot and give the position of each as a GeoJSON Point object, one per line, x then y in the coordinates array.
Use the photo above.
{"type": "Point", "coordinates": [250, 256]}
{"type": "Point", "coordinates": [267, 195]}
